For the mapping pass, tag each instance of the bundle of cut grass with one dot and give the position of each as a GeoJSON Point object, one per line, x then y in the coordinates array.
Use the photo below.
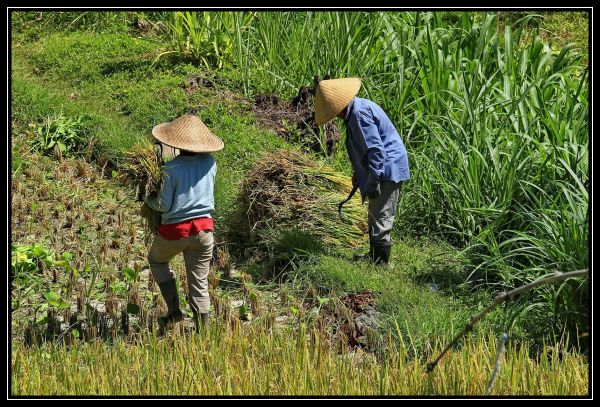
{"type": "Point", "coordinates": [291, 202]}
{"type": "Point", "coordinates": [143, 169]}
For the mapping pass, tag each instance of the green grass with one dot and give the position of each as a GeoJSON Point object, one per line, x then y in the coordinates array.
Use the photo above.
{"type": "Point", "coordinates": [126, 96]}
{"type": "Point", "coordinates": [27, 26]}
{"type": "Point", "coordinates": [558, 28]}
{"type": "Point", "coordinates": [32, 102]}
{"type": "Point", "coordinates": [421, 295]}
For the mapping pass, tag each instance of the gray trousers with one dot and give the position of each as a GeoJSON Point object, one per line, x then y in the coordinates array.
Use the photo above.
{"type": "Point", "coordinates": [197, 253]}
{"type": "Point", "coordinates": [382, 211]}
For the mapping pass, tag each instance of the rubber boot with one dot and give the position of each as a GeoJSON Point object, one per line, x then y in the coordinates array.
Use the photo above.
{"type": "Point", "coordinates": [381, 255]}
{"type": "Point", "coordinates": [201, 321]}
{"type": "Point", "coordinates": [168, 290]}
{"type": "Point", "coordinates": [364, 256]}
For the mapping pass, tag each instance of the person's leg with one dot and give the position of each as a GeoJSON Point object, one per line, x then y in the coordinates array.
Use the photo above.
{"type": "Point", "coordinates": [161, 252]}
{"type": "Point", "coordinates": [197, 264]}
{"type": "Point", "coordinates": [382, 211]}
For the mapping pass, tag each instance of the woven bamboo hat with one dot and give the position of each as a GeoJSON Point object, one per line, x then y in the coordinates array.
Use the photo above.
{"type": "Point", "coordinates": [333, 95]}
{"type": "Point", "coordinates": [188, 133]}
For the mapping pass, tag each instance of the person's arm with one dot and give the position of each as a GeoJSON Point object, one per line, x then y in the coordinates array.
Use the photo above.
{"type": "Point", "coordinates": [375, 150]}
{"type": "Point", "coordinates": [163, 201]}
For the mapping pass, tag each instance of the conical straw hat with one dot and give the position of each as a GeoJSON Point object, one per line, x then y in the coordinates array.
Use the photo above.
{"type": "Point", "coordinates": [188, 133]}
{"type": "Point", "coordinates": [333, 95]}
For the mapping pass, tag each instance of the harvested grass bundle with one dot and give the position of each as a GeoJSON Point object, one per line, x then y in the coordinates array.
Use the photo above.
{"type": "Point", "coordinates": [289, 201]}
{"type": "Point", "coordinates": [143, 168]}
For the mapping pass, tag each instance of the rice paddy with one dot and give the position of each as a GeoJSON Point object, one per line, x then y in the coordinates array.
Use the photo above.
{"type": "Point", "coordinates": [493, 110]}
{"type": "Point", "coordinates": [257, 361]}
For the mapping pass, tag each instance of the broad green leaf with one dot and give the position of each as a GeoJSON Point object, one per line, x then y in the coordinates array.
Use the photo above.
{"type": "Point", "coordinates": [38, 251]}
{"type": "Point", "coordinates": [63, 305]}
{"type": "Point", "coordinates": [51, 296]}
{"type": "Point", "coordinates": [129, 273]}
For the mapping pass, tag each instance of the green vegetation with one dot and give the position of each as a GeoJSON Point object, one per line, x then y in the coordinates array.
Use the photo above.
{"type": "Point", "coordinates": [60, 133]}
{"type": "Point", "coordinates": [260, 362]}
{"type": "Point", "coordinates": [493, 110]}
{"type": "Point", "coordinates": [496, 125]}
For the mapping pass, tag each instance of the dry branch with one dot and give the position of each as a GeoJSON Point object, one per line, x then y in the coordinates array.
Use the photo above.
{"type": "Point", "coordinates": [499, 300]}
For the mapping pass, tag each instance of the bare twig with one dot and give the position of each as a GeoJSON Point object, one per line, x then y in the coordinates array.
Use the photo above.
{"type": "Point", "coordinates": [500, 351]}
{"type": "Point", "coordinates": [499, 300]}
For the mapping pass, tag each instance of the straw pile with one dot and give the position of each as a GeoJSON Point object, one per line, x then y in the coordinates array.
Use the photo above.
{"type": "Point", "coordinates": [286, 191]}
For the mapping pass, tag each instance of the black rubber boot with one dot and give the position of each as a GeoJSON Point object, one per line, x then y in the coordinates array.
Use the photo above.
{"type": "Point", "coordinates": [364, 256]}
{"type": "Point", "coordinates": [201, 321]}
{"type": "Point", "coordinates": [168, 289]}
{"type": "Point", "coordinates": [381, 255]}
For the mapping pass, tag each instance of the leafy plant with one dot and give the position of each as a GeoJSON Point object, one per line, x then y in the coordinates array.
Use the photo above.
{"type": "Point", "coordinates": [204, 37]}
{"type": "Point", "coordinates": [26, 260]}
{"type": "Point", "coordinates": [54, 300]}
{"type": "Point", "coordinates": [67, 134]}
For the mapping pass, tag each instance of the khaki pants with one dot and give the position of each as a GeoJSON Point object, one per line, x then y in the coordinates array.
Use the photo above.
{"type": "Point", "coordinates": [382, 211]}
{"type": "Point", "coordinates": [197, 253]}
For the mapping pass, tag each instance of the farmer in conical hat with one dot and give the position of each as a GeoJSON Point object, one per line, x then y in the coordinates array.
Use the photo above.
{"type": "Point", "coordinates": [186, 204]}
{"type": "Point", "coordinates": [377, 154]}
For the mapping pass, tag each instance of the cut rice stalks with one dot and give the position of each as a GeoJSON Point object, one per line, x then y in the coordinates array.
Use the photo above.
{"type": "Point", "coordinates": [288, 192]}
{"type": "Point", "coordinates": [143, 168]}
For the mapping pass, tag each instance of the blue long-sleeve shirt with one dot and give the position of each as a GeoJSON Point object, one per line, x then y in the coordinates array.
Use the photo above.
{"type": "Point", "coordinates": [187, 190]}
{"type": "Point", "coordinates": [375, 148]}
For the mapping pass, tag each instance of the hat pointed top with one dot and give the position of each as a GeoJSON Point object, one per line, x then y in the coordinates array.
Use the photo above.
{"type": "Point", "coordinates": [333, 95]}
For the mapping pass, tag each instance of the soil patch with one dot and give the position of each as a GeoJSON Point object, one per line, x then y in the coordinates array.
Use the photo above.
{"type": "Point", "coordinates": [356, 322]}
{"type": "Point", "coordinates": [294, 120]}
{"type": "Point", "coordinates": [194, 82]}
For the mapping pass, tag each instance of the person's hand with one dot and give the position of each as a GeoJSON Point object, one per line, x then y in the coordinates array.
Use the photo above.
{"type": "Point", "coordinates": [146, 197]}
{"type": "Point", "coordinates": [373, 190]}
{"type": "Point", "coordinates": [354, 180]}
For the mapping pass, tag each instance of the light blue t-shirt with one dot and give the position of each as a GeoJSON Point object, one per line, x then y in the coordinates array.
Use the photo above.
{"type": "Point", "coordinates": [188, 189]}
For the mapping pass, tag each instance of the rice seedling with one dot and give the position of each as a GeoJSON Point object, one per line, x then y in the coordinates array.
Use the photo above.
{"type": "Point", "coordinates": [290, 202]}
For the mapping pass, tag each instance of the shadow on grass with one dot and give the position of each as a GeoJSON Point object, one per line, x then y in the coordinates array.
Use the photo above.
{"type": "Point", "coordinates": [136, 64]}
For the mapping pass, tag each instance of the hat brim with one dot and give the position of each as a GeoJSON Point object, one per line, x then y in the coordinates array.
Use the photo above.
{"type": "Point", "coordinates": [211, 143]}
